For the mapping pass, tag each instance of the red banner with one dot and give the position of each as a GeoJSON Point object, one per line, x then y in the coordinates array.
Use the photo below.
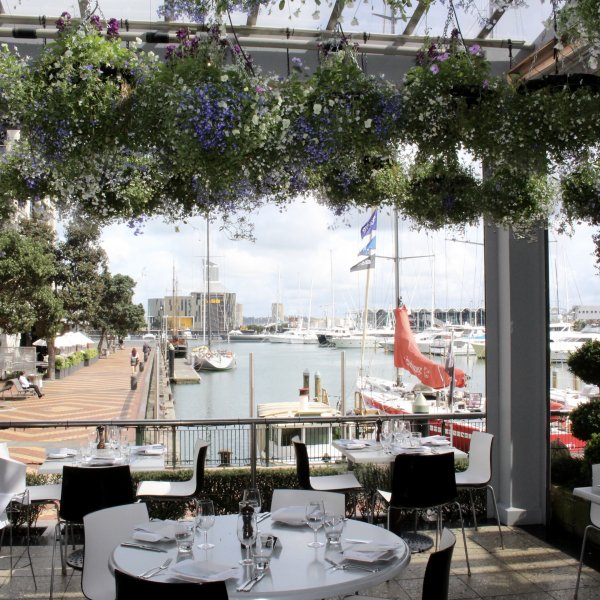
{"type": "Point", "coordinates": [408, 356]}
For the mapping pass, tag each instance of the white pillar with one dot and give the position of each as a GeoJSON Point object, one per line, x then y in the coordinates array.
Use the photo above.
{"type": "Point", "coordinates": [517, 379]}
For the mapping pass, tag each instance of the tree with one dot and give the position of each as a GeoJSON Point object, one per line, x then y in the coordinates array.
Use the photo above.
{"type": "Point", "coordinates": [116, 314]}
{"type": "Point", "coordinates": [82, 262]}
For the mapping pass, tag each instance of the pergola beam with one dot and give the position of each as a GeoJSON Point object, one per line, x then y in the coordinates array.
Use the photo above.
{"type": "Point", "coordinates": [336, 13]}
{"type": "Point", "coordinates": [492, 22]}
{"type": "Point", "coordinates": [414, 19]}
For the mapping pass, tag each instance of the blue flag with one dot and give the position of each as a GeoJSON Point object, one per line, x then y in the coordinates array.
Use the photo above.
{"type": "Point", "coordinates": [370, 246]}
{"type": "Point", "coordinates": [369, 226]}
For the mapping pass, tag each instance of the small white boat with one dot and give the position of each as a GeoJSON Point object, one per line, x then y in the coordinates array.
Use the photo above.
{"type": "Point", "coordinates": [206, 359]}
{"type": "Point", "coordinates": [243, 336]}
{"type": "Point", "coordinates": [293, 336]}
{"type": "Point", "coordinates": [561, 347]}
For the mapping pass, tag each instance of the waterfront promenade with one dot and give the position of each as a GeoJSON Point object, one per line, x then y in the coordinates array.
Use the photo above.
{"type": "Point", "coordinates": [100, 392]}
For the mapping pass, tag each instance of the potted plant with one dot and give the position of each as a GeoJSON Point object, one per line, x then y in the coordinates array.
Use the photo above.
{"type": "Point", "coordinates": [62, 366]}
{"type": "Point", "coordinates": [580, 192]}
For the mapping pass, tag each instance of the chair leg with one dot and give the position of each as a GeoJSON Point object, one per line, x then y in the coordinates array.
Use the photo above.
{"type": "Point", "coordinates": [473, 508]}
{"type": "Point", "coordinates": [462, 526]}
{"type": "Point", "coordinates": [497, 515]}
{"type": "Point", "coordinates": [581, 558]}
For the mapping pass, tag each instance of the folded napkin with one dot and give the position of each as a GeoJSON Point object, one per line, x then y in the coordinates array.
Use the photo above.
{"type": "Point", "coordinates": [290, 515]}
{"type": "Point", "coordinates": [435, 440]}
{"type": "Point", "coordinates": [202, 570]}
{"type": "Point", "coordinates": [99, 461]}
{"type": "Point", "coordinates": [355, 446]}
{"type": "Point", "coordinates": [62, 453]}
{"type": "Point", "coordinates": [154, 531]}
{"type": "Point", "coordinates": [418, 450]}
{"type": "Point", "coordinates": [152, 450]}
{"type": "Point", "coordinates": [370, 552]}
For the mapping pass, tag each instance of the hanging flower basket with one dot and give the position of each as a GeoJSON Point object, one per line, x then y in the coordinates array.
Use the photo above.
{"type": "Point", "coordinates": [447, 89]}
{"type": "Point", "coordinates": [580, 193]}
{"type": "Point", "coordinates": [78, 93]}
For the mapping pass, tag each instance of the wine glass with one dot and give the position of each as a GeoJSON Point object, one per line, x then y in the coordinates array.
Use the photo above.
{"type": "Point", "coordinates": [246, 532]}
{"type": "Point", "coordinates": [315, 514]}
{"type": "Point", "coordinates": [252, 497]}
{"type": "Point", "coordinates": [205, 519]}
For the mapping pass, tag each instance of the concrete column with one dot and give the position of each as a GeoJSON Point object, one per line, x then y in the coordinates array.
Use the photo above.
{"type": "Point", "coordinates": [517, 379]}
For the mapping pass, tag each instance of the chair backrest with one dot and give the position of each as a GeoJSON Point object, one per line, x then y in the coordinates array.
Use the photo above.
{"type": "Point", "coordinates": [480, 457]}
{"type": "Point", "coordinates": [12, 476]}
{"type": "Point", "coordinates": [103, 530]}
{"type": "Point", "coordinates": [334, 503]}
{"type": "Point", "coordinates": [302, 464]}
{"type": "Point", "coordinates": [131, 588]}
{"type": "Point", "coordinates": [87, 489]}
{"type": "Point", "coordinates": [423, 480]}
{"type": "Point", "coordinates": [4, 453]}
{"type": "Point", "coordinates": [200, 448]}
{"type": "Point", "coordinates": [437, 572]}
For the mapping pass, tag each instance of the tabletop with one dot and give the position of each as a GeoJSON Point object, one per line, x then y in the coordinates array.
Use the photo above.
{"type": "Point", "coordinates": [591, 493]}
{"type": "Point", "coordinates": [372, 452]}
{"type": "Point", "coordinates": [297, 572]}
{"type": "Point", "coordinates": [137, 462]}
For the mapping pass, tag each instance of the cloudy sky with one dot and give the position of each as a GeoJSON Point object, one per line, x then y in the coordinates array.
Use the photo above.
{"type": "Point", "coordinates": [302, 257]}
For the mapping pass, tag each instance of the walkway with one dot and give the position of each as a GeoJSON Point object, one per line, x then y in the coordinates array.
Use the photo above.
{"type": "Point", "coordinates": [527, 569]}
{"type": "Point", "coordinates": [101, 391]}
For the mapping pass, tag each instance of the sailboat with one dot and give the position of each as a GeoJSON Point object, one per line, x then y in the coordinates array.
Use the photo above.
{"type": "Point", "coordinates": [397, 397]}
{"type": "Point", "coordinates": [205, 358]}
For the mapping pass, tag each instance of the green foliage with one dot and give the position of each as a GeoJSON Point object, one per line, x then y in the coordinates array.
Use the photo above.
{"type": "Point", "coordinates": [580, 192]}
{"type": "Point", "coordinates": [585, 420]}
{"type": "Point", "coordinates": [569, 471]}
{"type": "Point", "coordinates": [585, 362]}
{"type": "Point", "coordinates": [592, 449]}
{"type": "Point", "coordinates": [62, 362]}
{"type": "Point", "coordinates": [76, 358]}
{"type": "Point", "coordinates": [90, 353]}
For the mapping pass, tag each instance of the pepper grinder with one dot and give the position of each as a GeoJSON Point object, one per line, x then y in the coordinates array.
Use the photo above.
{"type": "Point", "coordinates": [101, 437]}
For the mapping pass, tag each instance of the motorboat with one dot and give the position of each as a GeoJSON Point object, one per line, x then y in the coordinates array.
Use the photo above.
{"type": "Point", "coordinates": [247, 335]}
{"type": "Point", "coordinates": [293, 336]}
{"type": "Point", "coordinates": [563, 346]}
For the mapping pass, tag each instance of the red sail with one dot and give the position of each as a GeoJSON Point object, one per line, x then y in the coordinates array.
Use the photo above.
{"type": "Point", "coordinates": [408, 356]}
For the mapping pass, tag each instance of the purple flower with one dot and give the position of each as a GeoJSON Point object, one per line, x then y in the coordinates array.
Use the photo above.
{"type": "Point", "coordinates": [434, 69]}
{"type": "Point", "coordinates": [182, 33]}
{"type": "Point", "coordinates": [442, 57]}
{"type": "Point", "coordinates": [297, 62]}
{"type": "Point", "coordinates": [474, 49]}
{"type": "Point", "coordinates": [95, 22]}
{"type": "Point", "coordinates": [260, 89]}
{"type": "Point", "coordinates": [113, 28]}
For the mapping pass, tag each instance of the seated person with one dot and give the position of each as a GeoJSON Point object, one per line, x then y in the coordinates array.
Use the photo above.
{"type": "Point", "coordinates": [26, 384]}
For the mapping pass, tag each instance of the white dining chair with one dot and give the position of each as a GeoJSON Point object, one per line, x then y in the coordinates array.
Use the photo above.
{"type": "Point", "coordinates": [595, 524]}
{"type": "Point", "coordinates": [13, 492]}
{"type": "Point", "coordinates": [479, 473]}
{"type": "Point", "coordinates": [334, 503]}
{"type": "Point", "coordinates": [103, 530]}
{"type": "Point", "coordinates": [178, 490]}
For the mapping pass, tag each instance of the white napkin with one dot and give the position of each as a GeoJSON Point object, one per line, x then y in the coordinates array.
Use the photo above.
{"type": "Point", "coordinates": [290, 515]}
{"type": "Point", "coordinates": [62, 453]}
{"type": "Point", "coordinates": [154, 531]}
{"type": "Point", "coordinates": [355, 446]}
{"type": "Point", "coordinates": [153, 450]}
{"type": "Point", "coordinates": [99, 461]}
{"type": "Point", "coordinates": [370, 552]}
{"type": "Point", "coordinates": [435, 440]}
{"type": "Point", "coordinates": [419, 450]}
{"type": "Point", "coordinates": [203, 570]}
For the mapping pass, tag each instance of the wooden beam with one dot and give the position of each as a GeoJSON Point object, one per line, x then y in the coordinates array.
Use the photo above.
{"type": "Point", "coordinates": [492, 22]}
{"type": "Point", "coordinates": [336, 12]}
{"type": "Point", "coordinates": [414, 19]}
{"type": "Point", "coordinates": [252, 16]}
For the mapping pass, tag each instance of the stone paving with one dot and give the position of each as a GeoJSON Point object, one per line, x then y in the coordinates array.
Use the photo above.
{"type": "Point", "coordinates": [527, 568]}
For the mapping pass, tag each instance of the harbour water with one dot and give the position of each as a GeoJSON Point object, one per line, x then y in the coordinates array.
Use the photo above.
{"type": "Point", "coordinates": [278, 375]}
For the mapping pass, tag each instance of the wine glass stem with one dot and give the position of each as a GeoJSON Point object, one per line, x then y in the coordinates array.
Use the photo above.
{"type": "Point", "coordinates": [315, 536]}
{"type": "Point", "coordinates": [205, 532]}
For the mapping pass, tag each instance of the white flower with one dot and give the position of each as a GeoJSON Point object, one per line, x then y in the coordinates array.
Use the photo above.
{"type": "Point", "coordinates": [317, 108]}
{"type": "Point", "coordinates": [224, 78]}
{"type": "Point", "coordinates": [368, 123]}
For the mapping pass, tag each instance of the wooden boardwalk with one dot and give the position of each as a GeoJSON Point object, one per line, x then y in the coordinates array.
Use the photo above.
{"type": "Point", "coordinates": [99, 392]}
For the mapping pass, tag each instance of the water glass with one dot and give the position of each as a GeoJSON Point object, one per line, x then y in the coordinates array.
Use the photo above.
{"type": "Point", "coordinates": [334, 525]}
{"type": "Point", "coordinates": [314, 517]}
{"type": "Point", "coordinates": [205, 519]}
{"type": "Point", "coordinates": [415, 439]}
{"type": "Point", "coordinates": [251, 496]}
{"type": "Point", "coordinates": [387, 438]}
{"type": "Point", "coordinates": [262, 551]}
{"type": "Point", "coordinates": [184, 535]}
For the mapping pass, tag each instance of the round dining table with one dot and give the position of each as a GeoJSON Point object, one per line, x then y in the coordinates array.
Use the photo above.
{"type": "Point", "coordinates": [296, 570]}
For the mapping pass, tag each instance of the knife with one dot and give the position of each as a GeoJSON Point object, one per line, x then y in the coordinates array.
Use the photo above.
{"type": "Point", "coordinates": [254, 581]}
{"type": "Point", "coordinates": [141, 547]}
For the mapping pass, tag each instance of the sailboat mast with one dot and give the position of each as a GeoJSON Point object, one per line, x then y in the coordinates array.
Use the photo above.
{"type": "Point", "coordinates": [397, 278]}
{"type": "Point", "coordinates": [208, 312]}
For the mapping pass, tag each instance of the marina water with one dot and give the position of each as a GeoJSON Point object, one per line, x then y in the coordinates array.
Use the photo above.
{"type": "Point", "coordinates": [278, 375]}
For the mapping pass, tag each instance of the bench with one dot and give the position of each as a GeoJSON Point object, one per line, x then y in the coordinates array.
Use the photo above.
{"type": "Point", "coordinates": [16, 389]}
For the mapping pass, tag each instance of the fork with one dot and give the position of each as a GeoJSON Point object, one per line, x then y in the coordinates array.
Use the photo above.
{"type": "Point", "coordinates": [156, 570]}
{"type": "Point", "coordinates": [342, 567]}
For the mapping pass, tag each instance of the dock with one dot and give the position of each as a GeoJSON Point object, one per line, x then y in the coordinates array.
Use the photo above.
{"type": "Point", "coordinates": [184, 372]}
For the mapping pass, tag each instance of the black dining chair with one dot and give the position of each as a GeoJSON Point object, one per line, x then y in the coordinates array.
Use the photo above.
{"type": "Point", "coordinates": [436, 581]}
{"type": "Point", "coordinates": [86, 490]}
{"type": "Point", "coordinates": [130, 587]}
{"type": "Point", "coordinates": [424, 482]}
{"type": "Point", "coordinates": [325, 483]}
